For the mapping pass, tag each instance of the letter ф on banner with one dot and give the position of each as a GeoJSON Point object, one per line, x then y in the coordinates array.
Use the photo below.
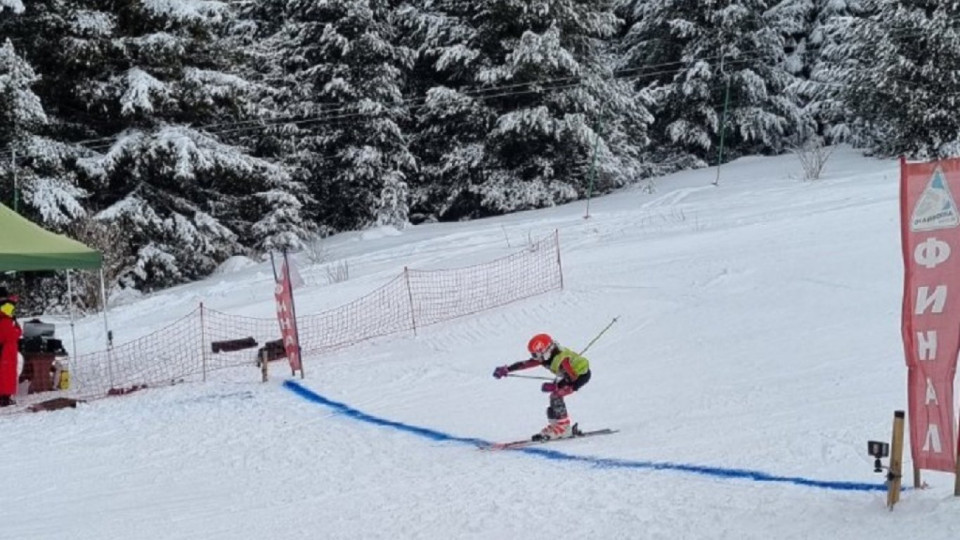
{"type": "Point", "coordinates": [930, 236]}
{"type": "Point", "coordinates": [287, 316]}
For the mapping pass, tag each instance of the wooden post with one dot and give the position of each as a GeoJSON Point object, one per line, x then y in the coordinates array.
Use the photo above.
{"type": "Point", "coordinates": [896, 461]}
{"type": "Point", "coordinates": [263, 364]}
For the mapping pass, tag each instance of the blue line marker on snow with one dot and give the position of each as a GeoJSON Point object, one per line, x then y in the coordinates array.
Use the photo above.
{"type": "Point", "coordinates": [347, 410]}
{"type": "Point", "coordinates": [603, 463]}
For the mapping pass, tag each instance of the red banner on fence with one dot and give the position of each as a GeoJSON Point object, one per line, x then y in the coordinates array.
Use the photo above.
{"type": "Point", "coordinates": [930, 237]}
{"type": "Point", "coordinates": [286, 315]}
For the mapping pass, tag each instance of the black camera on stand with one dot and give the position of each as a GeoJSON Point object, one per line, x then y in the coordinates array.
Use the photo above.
{"type": "Point", "coordinates": [878, 450]}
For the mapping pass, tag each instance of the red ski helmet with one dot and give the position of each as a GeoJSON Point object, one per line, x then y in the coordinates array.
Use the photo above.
{"type": "Point", "coordinates": [540, 345]}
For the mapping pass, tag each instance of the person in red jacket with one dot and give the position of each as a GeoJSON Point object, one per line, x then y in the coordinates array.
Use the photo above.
{"type": "Point", "coordinates": [9, 341]}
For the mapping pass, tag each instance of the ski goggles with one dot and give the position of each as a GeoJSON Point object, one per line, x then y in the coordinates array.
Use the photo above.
{"type": "Point", "coordinates": [7, 308]}
{"type": "Point", "coordinates": [545, 354]}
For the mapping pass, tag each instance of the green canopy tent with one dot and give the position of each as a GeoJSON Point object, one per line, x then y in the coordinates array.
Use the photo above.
{"type": "Point", "coordinates": [25, 246]}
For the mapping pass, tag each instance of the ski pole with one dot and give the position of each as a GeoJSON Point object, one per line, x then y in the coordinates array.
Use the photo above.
{"type": "Point", "coordinates": [530, 377]}
{"type": "Point", "coordinates": [594, 340]}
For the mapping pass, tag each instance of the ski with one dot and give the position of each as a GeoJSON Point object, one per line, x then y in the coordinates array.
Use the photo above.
{"type": "Point", "coordinates": [530, 442]}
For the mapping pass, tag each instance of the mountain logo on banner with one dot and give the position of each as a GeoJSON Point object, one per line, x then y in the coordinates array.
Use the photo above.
{"type": "Point", "coordinates": [936, 208]}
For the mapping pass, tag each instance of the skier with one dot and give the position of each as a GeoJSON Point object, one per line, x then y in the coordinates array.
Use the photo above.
{"type": "Point", "coordinates": [9, 340]}
{"type": "Point", "coordinates": [572, 372]}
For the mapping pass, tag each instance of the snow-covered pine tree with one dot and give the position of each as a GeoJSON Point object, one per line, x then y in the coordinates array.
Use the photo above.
{"type": "Point", "coordinates": [449, 125]}
{"type": "Point", "coordinates": [828, 23]}
{"type": "Point", "coordinates": [342, 76]}
{"type": "Point", "coordinates": [794, 20]}
{"type": "Point", "coordinates": [45, 189]}
{"type": "Point", "coordinates": [899, 71]}
{"type": "Point", "coordinates": [518, 93]}
{"type": "Point", "coordinates": [21, 112]}
{"type": "Point", "coordinates": [135, 76]}
{"type": "Point", "coordinates": [188, 204]}
{"type": "Point", "coordinates": [257, 32]}
{"type": "Point", "coordinates": [690, 52]}
{"type": "Point", "coordinates": [15, 6]}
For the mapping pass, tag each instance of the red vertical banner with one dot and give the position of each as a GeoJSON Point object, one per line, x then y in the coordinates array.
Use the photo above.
{"type": "Point", "coordinates": [930, 237]}
{"type": "Point", "coordinates": [287, 317]}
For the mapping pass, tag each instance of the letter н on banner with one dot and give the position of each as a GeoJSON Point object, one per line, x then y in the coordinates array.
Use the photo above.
{"type": "Point", "coordinates": [287, 317]}
{"type": "Point", "coordinates": [930, 239]}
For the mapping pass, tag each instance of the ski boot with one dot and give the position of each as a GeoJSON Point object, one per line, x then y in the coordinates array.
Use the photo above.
{"type": "Point", "coordinates": [556, 429]}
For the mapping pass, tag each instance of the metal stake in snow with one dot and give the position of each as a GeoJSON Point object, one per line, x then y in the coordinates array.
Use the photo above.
{"type": "Point", "coordinates": [594, 340]}
{"type": "Point", "coordinates": [723, 118]}
{"type": "Point", "coordinates": [593, 165]}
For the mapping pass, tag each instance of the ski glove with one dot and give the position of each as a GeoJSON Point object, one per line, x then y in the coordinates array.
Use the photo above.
{"type": "Point", "coordinates": [549, 387]}
{"type": "Point", "coordinates": [501, 372]}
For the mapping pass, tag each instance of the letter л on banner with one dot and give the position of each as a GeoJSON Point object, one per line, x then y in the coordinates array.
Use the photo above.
{"type": "Point", "coordinates": [930, 239]}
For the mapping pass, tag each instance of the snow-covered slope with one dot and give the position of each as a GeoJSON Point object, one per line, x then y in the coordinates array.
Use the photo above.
{"type": "Point", "coordinates": [758, 349]}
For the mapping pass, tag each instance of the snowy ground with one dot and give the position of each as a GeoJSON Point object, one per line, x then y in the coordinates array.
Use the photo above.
{"type": "Point", "coordinates": [758, 349]}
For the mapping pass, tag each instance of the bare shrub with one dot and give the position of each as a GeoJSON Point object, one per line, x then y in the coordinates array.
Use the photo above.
{"type": "Point", "coordinates": [315, 251]}
{"type": "Point", "coordinates": [338, 272]}
{"type": "Point", "coordinates": [813, 156]}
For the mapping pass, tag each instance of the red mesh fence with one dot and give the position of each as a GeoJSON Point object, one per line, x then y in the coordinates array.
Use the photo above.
{"type": "Point", "coordinates": [166, 356]}
{"type": "Point", "coordinates": [219, 327]}
{"type": "Point", "coordinates": [442, 295]}
{"type": "Point", "coordinates": [185, 350]}
{"type": "Point", "coordinates": [383, 312]}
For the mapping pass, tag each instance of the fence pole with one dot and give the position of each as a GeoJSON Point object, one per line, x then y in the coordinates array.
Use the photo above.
{"type": "Point", "coordinates": [413, 317]}
{"type": "Point", "coordinates": [556, 237]}
{"type": "Point", "coordinates": [203, 343]}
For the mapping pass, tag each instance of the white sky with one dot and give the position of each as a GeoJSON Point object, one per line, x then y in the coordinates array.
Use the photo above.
{"type": "Point", "coordinates": [757, 351]}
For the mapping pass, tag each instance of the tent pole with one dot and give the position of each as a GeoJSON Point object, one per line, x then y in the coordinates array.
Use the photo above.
{"type": "Point", "coordinates": [106, 326]}
{"type": "Point", "coordinates": [103, 301]}
{"type": "Point", "coordinates": [73, 333]}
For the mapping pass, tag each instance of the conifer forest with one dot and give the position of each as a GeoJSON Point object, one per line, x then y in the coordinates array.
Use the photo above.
{"type": "Point", "coordinates": [174, 134]}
